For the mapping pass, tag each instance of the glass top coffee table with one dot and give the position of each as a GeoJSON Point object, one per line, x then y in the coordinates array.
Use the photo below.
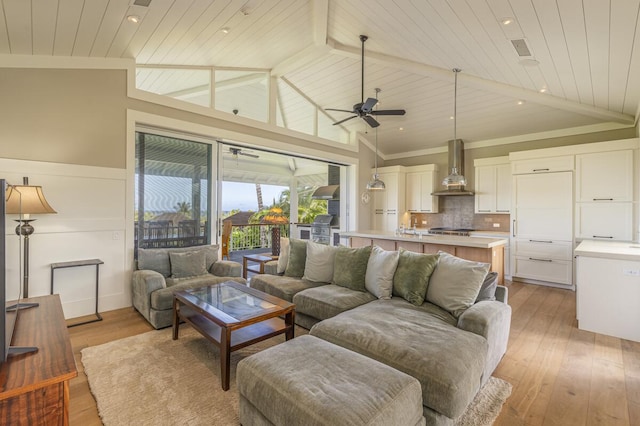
{"type": "Point", "coordinates": [232, 316]}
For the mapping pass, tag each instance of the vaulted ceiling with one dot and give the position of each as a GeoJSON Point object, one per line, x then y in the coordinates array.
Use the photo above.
{"type": "Point", "coordinates": [583, 54]}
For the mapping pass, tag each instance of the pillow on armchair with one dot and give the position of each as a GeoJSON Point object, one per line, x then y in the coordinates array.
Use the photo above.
{"type": "Point", "coordinates": [188, 264]}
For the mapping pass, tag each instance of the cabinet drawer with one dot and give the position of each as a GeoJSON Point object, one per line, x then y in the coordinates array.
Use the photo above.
{"type": "Point", "coordinates": [554, 271]}
{"type": "Point", "coordinates": [544, 249]}
{"type": "Point", "coordinates": [543, 165]}
{"type": "Point", "coordinates": [604, 221]}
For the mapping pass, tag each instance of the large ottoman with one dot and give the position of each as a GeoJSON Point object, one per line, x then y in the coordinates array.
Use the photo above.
{"type": "Point", "coordinates": [308, 381]}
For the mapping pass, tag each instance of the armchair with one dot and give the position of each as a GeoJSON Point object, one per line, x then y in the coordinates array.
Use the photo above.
{"type": "Point", "coordinates": [157, 277]}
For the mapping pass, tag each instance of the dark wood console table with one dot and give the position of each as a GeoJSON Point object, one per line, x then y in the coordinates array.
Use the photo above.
{"type": "Point", "coordinates": [34, 387]}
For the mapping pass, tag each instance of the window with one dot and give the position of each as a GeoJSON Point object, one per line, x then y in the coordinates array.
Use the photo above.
{"type": "Point", "coordinates": [172, 192]}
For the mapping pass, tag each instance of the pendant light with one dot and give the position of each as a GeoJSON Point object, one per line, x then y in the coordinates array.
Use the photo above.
{"type": "Point", "coordinates": [454, 179]}
{"type": "Point", "coordinates": [376, 184]}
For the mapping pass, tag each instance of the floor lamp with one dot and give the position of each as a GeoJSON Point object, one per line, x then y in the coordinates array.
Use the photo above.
{"type": "Point", "coordinates": [26, 200]}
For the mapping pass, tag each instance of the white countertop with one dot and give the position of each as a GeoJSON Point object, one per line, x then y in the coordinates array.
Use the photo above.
{"type": "Point", "coordinates": [494, 234]}
{"type": "Point", "coordinates": [608, 250]}
{"type": "Point", "coordinates": [450, 240]}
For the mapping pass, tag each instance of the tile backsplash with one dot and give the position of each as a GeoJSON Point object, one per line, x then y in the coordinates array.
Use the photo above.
{"type": "Point", "coordinates": [458, 212]}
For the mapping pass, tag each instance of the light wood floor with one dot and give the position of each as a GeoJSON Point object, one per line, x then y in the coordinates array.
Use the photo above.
{"type": "Point", "coordinates": [560, 375]}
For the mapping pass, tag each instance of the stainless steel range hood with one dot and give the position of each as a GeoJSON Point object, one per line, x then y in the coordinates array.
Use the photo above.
{"type": "Point", "coordinates": [329, 192]}
{"type": "Point", "coordinates": [456, 168]}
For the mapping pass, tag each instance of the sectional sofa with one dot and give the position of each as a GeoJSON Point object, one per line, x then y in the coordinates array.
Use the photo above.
{"type": "Point", "coordinates": [438, 318]}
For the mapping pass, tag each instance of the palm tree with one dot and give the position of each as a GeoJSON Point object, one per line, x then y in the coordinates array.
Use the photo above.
{"type": "Point", "coordinates": [183, 207]}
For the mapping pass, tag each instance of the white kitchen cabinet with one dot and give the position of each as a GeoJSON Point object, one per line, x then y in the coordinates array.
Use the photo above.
{"type": "Point", "coordinates": [543, 165]}
{"type": "Point", "coordinates": [420, 183]}
{"type": "Point", "coordinates": [604, 221]}
{"type": "Point", "coordinates": [604, 176]}
{"type": "Point", "coordinates": [389, 205]}
{"type": "Point", "coordinates": [608, 288]}
{"type": "Point", "coordinates": [493, 185]}
{"type": "Point", "coordinates": [542, 227]}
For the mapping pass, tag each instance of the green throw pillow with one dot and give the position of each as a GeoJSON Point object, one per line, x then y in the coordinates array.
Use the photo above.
{"type": "Point", "coordinates": [350, 267]}
{"type": "Point", "coordinates": [412, 276]}
{"type": "Point", "coordinates": [188, 264]}
{"type": "Point", "coordinates": [297, 258]}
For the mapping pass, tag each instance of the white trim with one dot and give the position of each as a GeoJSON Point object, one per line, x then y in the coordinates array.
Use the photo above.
{"type": "Point", "coordinates": [225, 135]}
{"type": "Point", "coordinates": [607, 146]}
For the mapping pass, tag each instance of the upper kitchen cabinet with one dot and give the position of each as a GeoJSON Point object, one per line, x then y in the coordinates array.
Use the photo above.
{"type": "Point", "coordinates": [604, 176]}
{"type": "Point", "coordinates": [389, 205]}
{"type": "Point", "coordinates": [420, 183]}
{"type": "Point", "coordinates": [543, 165]}
{"type": "Point", "coordinates": [493, 185]}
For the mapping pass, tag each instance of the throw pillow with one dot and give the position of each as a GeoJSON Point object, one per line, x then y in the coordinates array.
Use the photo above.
{"type": "Point", "coordinates": [297, 258]}
{"type": "Point", "coordinates": [319, 264]}
{"type": "Point", "coordinates": [350, 267]}
{"type": "Point", "coordinates": [412, 276]}
{"type": "Point", "coordinates": [283, 259]}
{"type": "Point", "coordinates": [455, 283]}
{"type": "Point", "coordinates": [188, 264]}
{"type": "Point", "coordinates": [488, 288]}
{"type": "Point", "coordinates": [381, 267]}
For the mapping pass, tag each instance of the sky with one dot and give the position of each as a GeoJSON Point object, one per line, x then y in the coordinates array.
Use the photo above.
{"type": "Point", "coordinates": [242, 196]}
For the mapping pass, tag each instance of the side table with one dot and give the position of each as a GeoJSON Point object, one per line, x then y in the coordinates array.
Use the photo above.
{"type": "Point", "coordinates": [260, 259]}
{"type": "Point", "coordinates": [76, 263]}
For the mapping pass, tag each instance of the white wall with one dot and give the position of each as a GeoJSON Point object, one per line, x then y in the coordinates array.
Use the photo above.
{"type": "Point", "coordinates": [90, 223]}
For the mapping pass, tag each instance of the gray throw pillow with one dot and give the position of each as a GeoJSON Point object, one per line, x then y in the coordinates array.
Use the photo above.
{"type": "Point", "coordinates": [188, 264]}
{"type": "Point", "coordinates": [381, 267]}
{"type": "Point", "coordinates": [488, 288]}
{"type": "Point", "coordinates": [319, 264]}
{"type": "Point", "coordinates": [350, 267]}
{"type": "Point", "coordinates": [412, 276]}
{"type": "Point", "coordinates": [297, 258]}
{"type": "Point", "coordinates": [455, 284]}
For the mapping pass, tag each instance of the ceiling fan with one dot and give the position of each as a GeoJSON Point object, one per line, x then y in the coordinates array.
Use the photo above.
{"type": "Point", "coordinates": [364, 109]}
{"type": "Point", "coordinates": [235, 152]}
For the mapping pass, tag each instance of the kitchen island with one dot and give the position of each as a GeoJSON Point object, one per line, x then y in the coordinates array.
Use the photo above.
{"type": "Point", "coordinates": [479, 249]}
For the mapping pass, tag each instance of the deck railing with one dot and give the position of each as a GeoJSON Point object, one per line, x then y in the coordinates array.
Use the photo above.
{"type": "Point", "coordinates": [255, 236]}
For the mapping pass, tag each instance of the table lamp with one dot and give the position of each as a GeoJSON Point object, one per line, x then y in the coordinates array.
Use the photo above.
{"type": "Point", "coordinates": [26, 200]}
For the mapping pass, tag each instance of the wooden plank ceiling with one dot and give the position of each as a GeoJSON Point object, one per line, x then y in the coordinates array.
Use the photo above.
{"type": "Point", "coordinates": [584, 55]}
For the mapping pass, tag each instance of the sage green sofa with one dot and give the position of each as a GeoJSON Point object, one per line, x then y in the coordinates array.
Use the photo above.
{"type": "Point", "coordinates": [452, 353]}
{"type": "Point", "coordinates": [161, 272]}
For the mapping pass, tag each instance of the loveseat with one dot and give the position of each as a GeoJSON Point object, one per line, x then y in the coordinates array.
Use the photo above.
{"type": "Point", "coordinates": [438, 318]}
{"type": "Point", "coordinates": [161, 272]}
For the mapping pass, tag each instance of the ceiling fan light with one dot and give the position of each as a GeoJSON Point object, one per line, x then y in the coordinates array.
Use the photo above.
{"type": "Point", "coordinates": [375, 184]}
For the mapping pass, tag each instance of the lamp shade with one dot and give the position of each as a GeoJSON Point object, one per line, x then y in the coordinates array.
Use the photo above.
{"type": "Point", "coordinates": [27, 199]}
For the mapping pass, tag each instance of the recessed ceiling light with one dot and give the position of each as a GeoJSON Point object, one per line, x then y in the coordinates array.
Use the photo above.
{"type": "Point", "coordinates": [451, 117]}
{"type": "Point", "coordinates": [225, 30]}
{"type": "Point", "coordinates": [544, 90]}
{"type": "Point", "coordinates": [401, 128]}
{"type": "Point", "coordinates": [520, 102]}
{"type": "Point", "coordinates": [133, 18]}
{"type": "Point", "coordinates": [507, 21]}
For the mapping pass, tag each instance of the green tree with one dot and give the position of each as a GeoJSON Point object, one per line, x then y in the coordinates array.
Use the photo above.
{"type": "Point", "coordinates": [183, 207]}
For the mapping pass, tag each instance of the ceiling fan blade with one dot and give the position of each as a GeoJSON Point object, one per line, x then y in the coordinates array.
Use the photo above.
{"type": "Point", "coordinates": [342, 121]}
{"type": "Point", "coordinates": [370, 121]}
{"type": "Point", "coordinates": [388, 112]}
{"type": "Point", "coordinates": [368, 105]}
{"type": "Point", "coordinates": [341, 110]}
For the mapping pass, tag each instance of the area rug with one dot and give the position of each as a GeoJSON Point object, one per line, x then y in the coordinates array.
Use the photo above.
{"type": "Point", "coordinates": [150, 379]}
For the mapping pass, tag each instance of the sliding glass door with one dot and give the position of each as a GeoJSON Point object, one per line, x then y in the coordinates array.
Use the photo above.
{"type": "Point", "coordinates": [173, 186]}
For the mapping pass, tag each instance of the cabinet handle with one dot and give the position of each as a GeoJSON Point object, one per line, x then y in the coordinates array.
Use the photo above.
{"type": "Point", "coordinates": [503, 211]}
{"type": "Point", "coordinates": [540, 260]}
{"type": "Point", "coordinates": [603, 199]}
{"type": "Point", "coordinates": [601, 236]}
{"type": "Point", "coordinates": [485, 211]}
{"type": "Point", "coordinates": [513, 228]}
{"type": "Point", "coordinates": [541, 241]}
{"type": "Point", "coordinates": [540, 170]}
